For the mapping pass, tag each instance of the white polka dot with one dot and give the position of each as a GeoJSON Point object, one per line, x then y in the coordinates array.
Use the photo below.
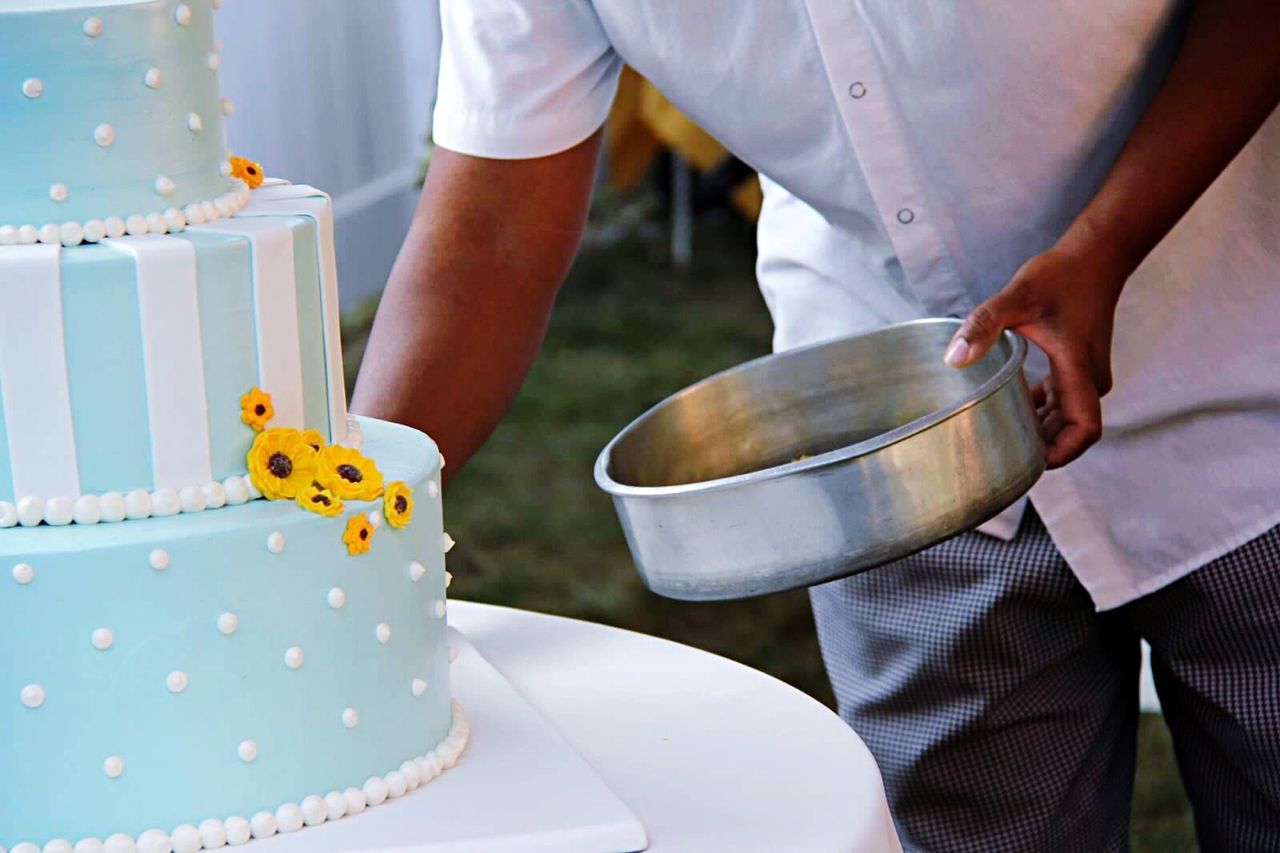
{"type": "Point", "coordinates": [113, 767]}
{"type": "Point", "coordinates": [95, 230]}
{"type": "Point", "coordinates": [194, 123]}
{"type": "Point", "coordinates": [440, 608]}
{"type": "Point", "coordinates": [383, 633]}
{"type": "Point", "coordinates": [105, 135]}
{"type": "Point", "coordinates": [228, 623]}
{"type": "Point", "coordinates": [275, 542]}
{"type": "Point", "coordinates": [103, 639]}
{"type": "Point", "coordinates": [176, 682]}
{"type": "Point", "coordinates": [447, 542]}
{"type": "Point", "coordinates": [416, 571]}
{"type": "Point", "coordinates": [224, 169]}
{"type": "Point", "coordinates": [32, 696]}
{"type": "Point", "coordinates": [164, 185]}
{"type": "Point", "coordinates": [337, 598]}
{"type": "Point", "coordinates": [432, 489]}
{"type": "Point", "coordinates": [228, 107]}
{"type": "Point", "coordinates": [159, 559]}
{"type": "Point", "coordinates": [247, 750]}
{"type": "Point", "coordinates": [448, 579]}
{"type": "Point", "coordinates": [350, 718]}
{"type": "Point", "coordinates": [59, 193]}
{"type": "Point", "coordinates": [23, 573]}
{"type": "Point", "coordinates": [213, 61]}
{"type": "Point", "coordinates": [33, 87]}
{"type": "Point", "coordinates": [418, 686]}
{"type": "Point", "coordinates": [154, 78]}
{"type": "Point", "coordinates": [294, 657]}
{"type": "Point", "coordinates": [116, 227]}
{"type": "Point", "coordinates": [375, 519]}
{"type": "Point", "coordinates": [182, 14]}
{"type": "Point", "coordinates": [93, 27]}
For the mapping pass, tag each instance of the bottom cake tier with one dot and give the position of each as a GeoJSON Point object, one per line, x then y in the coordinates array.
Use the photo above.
{"type": "Point", "coordinates": [201, 679]}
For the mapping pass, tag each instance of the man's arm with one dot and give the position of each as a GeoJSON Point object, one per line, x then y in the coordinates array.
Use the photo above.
{"type": "Point", "coordinates": [1223, 84]}
{"type": "Point", "coordinates": [469, 298]}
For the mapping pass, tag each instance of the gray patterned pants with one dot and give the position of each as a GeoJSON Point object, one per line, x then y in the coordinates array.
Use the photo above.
{"type": "Point", "coordinates": [1003, 709]}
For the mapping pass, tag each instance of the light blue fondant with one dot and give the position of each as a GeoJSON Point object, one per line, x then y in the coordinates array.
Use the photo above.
{"type": "Point", "coordinates": [107, 372]}
{"type": "Point", "coordinates": [6, 470]}
{"type": "Point", "coordinates": [225, 292]}
{"type": "Point", "coordinates": [180, 750]}
{"type": "Point", "coordinates": [105, 369]}
{"type": "Point", "coordinates": [315, 388]}
{"type": "Point", "coordinates": [91, 81]}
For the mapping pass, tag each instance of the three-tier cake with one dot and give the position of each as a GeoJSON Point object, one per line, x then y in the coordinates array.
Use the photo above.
{"type": "Point", "coordinates": [222, 606]}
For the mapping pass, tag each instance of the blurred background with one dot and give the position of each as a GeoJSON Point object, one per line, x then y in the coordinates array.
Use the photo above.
{"type": "Point", "coordinates": [338, 94]}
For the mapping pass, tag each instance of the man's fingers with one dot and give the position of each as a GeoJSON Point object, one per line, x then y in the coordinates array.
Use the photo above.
{"type": "Point", "coordinates": [1078, 407]}
{"type": "Point", "coordinates": [1039, 396]}
{"type": "Point", "coordinates": [980, 330]}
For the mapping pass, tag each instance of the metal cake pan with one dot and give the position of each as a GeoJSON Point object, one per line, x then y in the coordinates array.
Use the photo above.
{"type": "Point", "coordinates": [818, 463]}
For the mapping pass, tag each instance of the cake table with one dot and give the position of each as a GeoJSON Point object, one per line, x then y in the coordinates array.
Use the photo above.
{"type": "Point", "coordinates": [711, 755]}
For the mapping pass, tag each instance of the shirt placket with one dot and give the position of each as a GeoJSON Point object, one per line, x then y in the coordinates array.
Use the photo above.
{"type": "Point", "coordinates": [860, 86]}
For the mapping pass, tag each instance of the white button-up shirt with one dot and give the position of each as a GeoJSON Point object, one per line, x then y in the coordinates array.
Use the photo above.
{"type": "Point", "coordinates": [914, 156]}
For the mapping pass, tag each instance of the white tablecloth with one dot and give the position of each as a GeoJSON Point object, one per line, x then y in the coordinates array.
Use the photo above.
{"type": "Point", "coordinates": [711, 755]}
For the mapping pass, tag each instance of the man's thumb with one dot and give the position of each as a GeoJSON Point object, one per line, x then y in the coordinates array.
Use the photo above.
{"type": "Point", "coordinates": [978, 333]}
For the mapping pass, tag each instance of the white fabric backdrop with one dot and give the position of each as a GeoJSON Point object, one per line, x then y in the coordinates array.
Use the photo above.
{"type": "Point", "coordinates": [337, 94]}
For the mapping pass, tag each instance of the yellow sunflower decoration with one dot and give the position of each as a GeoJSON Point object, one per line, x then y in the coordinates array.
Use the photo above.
{"type": "Point", "coordinates": [316, 498]}
{"type": "Point", "coordinates": [247, 171]}
{"type": "Point", "coordinates": [397, 504]}
{"type": "Point", "coordinates": [359, 534]}
{"type": "Point", "coordinates": [281, 463]}
{"type": "Point", "coordinates": [314, 438]}
{"type": "Point", "coordinates": [349, 474]}
{"type": "Point", "coordinates": [256, 409]}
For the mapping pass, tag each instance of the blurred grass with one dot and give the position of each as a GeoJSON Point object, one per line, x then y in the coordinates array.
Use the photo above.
{"type": "Point", "coordinates": [535, 532]}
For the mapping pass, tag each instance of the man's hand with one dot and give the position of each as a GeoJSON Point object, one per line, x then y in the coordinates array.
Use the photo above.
{"type": "Point", "coordinates": [1065, 303]}
{"type": "Point", "coordinates": [1223, 84]}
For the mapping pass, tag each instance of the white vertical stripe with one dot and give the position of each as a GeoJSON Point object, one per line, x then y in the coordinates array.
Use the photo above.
{"type": "Point", "coordinates": [173, 358]}
{"type": "Point", "coordinates": [33, 374]}
{"type": "Point", "coordinates": [275, 308]}
{"type": "Point", "coordinates": [302, 200]}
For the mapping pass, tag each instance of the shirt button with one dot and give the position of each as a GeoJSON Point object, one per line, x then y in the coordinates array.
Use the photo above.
{"type": "Point", "coordinates": [906, 215]}
{"type": "Point", "coordinates": [857, 90]}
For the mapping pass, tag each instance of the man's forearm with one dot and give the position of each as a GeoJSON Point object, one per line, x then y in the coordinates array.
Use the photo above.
{"type": "Point", "coordinates": [1223, 84]}
{"type": "Point", "coordinates": [469, 298]}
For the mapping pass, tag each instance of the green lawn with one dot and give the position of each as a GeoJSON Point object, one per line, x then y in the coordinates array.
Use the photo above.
{"type": "Point", "coordinates": [534, 531]}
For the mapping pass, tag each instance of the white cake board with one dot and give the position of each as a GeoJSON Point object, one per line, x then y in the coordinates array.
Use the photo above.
{"type": "Point", "coordinates": [518, 787]}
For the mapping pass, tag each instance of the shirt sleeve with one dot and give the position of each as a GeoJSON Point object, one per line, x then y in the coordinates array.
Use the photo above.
{"type": "Point", "coordinates": [522, 78]}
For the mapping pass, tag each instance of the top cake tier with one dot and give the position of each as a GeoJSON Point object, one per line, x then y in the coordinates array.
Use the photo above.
{"type": "Point", "coordinates": [108, 110]}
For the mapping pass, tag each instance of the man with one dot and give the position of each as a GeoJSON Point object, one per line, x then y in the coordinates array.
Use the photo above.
{"type": "Point", "coordinates": [1054, 168]}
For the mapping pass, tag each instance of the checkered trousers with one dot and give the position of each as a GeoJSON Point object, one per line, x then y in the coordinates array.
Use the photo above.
{"type": "Point", "coordinates": [1002, 709]}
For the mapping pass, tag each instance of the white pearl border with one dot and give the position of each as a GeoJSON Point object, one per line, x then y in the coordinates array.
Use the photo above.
{"type": "Point", "coordinates": [170, 219]}
{"type": "Point", "coordinates": [112, 507]}
{"type": "Point", "coordinates": [109, 507]}
{"type": "Point", "coordinates": [291, 817]}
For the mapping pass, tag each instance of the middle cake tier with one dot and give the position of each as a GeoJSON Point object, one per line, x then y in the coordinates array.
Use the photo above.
{"type": "Point", "coordinates": [123, 364]}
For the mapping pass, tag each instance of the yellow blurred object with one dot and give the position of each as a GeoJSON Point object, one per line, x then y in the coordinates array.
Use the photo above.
{"type": "Point", "coordinates": [643, 123]}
